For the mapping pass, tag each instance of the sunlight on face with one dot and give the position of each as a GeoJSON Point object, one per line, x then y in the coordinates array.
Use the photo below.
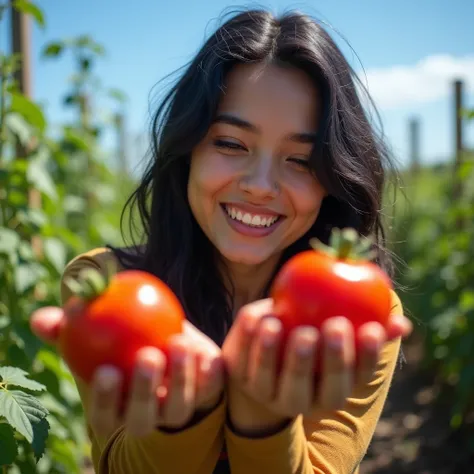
{"type": "Point", "coordinates": [249, 187]}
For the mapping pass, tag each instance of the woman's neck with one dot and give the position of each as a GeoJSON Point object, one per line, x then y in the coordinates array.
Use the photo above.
{"type": "Point", "coordinates": [248, 282]}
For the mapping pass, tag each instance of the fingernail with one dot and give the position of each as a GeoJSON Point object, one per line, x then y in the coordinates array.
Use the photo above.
{"type": "Point", "coordinates": [305, 349]}
{"type": "Point", "coordinates": [271, 332]}
{"type": "Point", "coordinates": [179, 358]}
{"type": "Point", "coordinates": [373, 345]}
{"type": "Point", "coordinates": [206, 365]}
{"type": "Point", "coordinates": [147, 364]}
{"type": "Point", "coordinates": [249, 325]}
{"type": "Point", "coordinates": [107, 378]}
{"type": "Point", "coordinates": [269, 339]}
{"type": "Point", "coordinates": [216, 366]}
{"type": "Point", "coordinates": [336, 341]}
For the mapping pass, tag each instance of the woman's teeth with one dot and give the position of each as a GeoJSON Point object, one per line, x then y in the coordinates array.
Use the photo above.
{"type": "Point", "coordinates": [254, 220]}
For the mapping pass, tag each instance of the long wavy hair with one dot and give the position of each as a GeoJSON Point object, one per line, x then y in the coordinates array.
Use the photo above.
{"type": "Point", "coordinates": [350, 159]}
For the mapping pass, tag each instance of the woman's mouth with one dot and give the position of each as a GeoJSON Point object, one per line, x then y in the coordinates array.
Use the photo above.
{"type": "Point", "coordinates": [250, 223]}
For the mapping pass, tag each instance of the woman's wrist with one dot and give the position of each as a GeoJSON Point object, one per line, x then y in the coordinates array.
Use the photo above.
{"type": "Point", "coordinates": [199, 415]}
{"type": "Point", "coordinates": [249, 418]}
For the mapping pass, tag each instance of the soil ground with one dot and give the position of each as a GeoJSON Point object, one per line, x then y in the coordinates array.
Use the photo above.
{"type": "Point", "coordinates": [413, 435]}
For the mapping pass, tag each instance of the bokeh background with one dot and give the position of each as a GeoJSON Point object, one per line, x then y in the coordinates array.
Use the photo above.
{"type": "Point", "coordinates": [78, 82]}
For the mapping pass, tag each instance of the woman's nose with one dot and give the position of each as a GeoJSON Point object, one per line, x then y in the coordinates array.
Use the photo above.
{"type": "Point", "coordinates": [261, 179]}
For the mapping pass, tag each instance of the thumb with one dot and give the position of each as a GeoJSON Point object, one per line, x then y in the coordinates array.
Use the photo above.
{"type": "Point", "coordinates": [46, 322]}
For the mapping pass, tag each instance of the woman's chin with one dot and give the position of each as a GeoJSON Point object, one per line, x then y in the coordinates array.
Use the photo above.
{"type": "Point", "coordinates": [247, 257]}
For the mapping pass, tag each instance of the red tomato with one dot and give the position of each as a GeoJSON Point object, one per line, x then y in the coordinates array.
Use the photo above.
{"type": "Point", "coordinates": [315, 285]}
{"type": "Point", "coordinates": [137, 309]}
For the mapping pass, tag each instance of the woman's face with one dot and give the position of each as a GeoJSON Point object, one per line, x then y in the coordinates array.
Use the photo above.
{"type": "Point", "coordinates": [249, 187]}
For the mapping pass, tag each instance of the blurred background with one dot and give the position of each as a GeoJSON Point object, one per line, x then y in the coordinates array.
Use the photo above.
{"type": "Point", "coordinates": [78, 82]}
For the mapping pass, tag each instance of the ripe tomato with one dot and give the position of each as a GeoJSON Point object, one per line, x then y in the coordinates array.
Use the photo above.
{"type": "Point", "coordinates": [136, 309]}
{"type": "Point", "coordinates": [325, 282]}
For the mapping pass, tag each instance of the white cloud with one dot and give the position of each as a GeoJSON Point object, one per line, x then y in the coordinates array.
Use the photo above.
{"type": "Point", "coordinates": [428, 80]}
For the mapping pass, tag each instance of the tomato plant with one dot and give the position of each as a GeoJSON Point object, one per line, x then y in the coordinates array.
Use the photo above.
{"type": "Point", "coordinates": [107, 322]}
{"type": "Point", "coordinates": [329, 281]}
{"type": "Point", "coordinates": [58, 198]}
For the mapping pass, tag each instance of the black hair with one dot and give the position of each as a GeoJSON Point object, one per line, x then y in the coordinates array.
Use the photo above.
{"type": "Point", "coordinates": [350, 158]}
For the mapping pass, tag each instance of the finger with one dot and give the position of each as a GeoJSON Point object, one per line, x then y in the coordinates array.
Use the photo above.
{"type": "Point", "coordinates": [181, 396]}
{"type": "Point", "coordinates": [296, 386]}
{"type": "Point", "coordinates": [242, 335]}
{"type": "Point", "coordinates": [371, 336]}
{"type": "Point", "coordinates": [210, 381]}
{"type": "Point", "coordinates": [263, 359]}
{"type": "Point", "coordinates": [105, 400]}
{"type": "Point", "coordinates": [142, 410]}
{"type": "Point", "coordinates": [338, 363]}
{"type": "Point", "coordinates": [398, 326]}
{"type": "Point", "coordinates": [45, 323]}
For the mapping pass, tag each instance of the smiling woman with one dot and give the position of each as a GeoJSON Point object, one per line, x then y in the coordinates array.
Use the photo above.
{"type": "Point", "coordinates": [261, 145]}
{"type": "Point", "coordinates": [252, 167]}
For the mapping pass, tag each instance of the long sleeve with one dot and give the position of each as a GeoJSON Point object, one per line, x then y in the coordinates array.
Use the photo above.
{"type": "Point", "coordinates": [194, 450]}
{"type": "Point", "coordinates": [330, 442]}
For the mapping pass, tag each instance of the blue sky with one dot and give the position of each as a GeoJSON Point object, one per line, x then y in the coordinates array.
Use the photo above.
{"type": "Point", "coordinates": [410, 50]}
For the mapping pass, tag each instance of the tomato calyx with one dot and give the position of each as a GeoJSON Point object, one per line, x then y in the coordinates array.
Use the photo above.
{"type": "Point", "coordinates": [346, 244]}
{"type": "Point", "coordinates": [90, 283]}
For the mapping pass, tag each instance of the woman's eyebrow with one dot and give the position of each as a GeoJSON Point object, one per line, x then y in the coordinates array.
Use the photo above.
{"type": "Point", "coordinates": [236, 121]}
{"type": "Point", "coordinates": [229, 119]}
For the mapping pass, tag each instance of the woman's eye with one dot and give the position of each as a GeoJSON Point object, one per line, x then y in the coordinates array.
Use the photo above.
{"type": "Point", "coordinates": [218, 143]}
{"type": "Point", "coordinates": [301, 162]}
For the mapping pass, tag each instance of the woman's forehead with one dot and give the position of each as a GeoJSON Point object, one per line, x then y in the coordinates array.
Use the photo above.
{"type": "Point", "coordinates": [258, 93]}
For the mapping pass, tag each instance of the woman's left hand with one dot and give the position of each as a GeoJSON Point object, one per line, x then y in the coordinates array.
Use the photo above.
{"type": "Point", "coordinates": [261, 399]}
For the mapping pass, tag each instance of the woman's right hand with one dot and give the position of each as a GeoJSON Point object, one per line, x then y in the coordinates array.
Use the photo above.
{"type": "Point", "coordinates": [195, 384]}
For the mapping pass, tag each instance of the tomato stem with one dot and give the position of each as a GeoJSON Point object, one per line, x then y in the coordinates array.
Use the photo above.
{"type": "Point", "coordinates": [90, 283]}
{"type": "Point", "coordinates": [346, 244]}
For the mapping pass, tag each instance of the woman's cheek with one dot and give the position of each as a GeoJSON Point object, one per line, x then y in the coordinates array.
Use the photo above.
{"type": "Point", "coordinates": [306, 193]}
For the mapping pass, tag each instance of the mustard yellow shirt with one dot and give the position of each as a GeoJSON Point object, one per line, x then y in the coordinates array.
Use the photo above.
{"type": "Point", "coordinates": [330, 442]}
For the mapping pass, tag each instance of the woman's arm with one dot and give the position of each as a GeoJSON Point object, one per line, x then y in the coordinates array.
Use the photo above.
{"type": "Point", "coordinates": [326, 441]}
{"type": "Point", "coordinates": [193, 449]}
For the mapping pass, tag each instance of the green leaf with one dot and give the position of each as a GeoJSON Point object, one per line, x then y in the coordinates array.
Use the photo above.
{"type": "Point", "coordinates": [40, 435]}
{"type": "Point", "coordinates": [17, 377]}
{"type": "Point", "coordinates": [25, 465]}
{"type": "Point", "coordinates": [39, 176]}
{"type": "Point", "coordinates": [55, 252]}
{"type": "Point", "coordinates": [17, 357]}
{"type": "Point", "coordinates": [21, 410]}
{"type": "Point", "coordinates": [85, 41]}
{"type": "Point", "coordinates": [18, 126]}
{"type": "Point", "coordinates": [74, 204]}
{"type": "Point", "coordinates": [28, 110]}
{"type": "Point", "coordinates": [85, 64]}
{"type": "Point", "coordinates": [74, 138]}
{"type": "Point", "coordinates": [30, 8]}
{"type": "Point", "coordinates": [118, 95]}
{"type": "Point", "coordinates": [9, 241]}
{"type": "Point", "coordinates": [27, 275]}
{"type": "Point", "coordinates": [53, 49]}
{"type": "Point", "coordinates": [26, 341]}
{"type": "Point", "coordinates": [63, 452]}
{"type": "Point", "coordinates": [9, 450]}
{"type": "Point", "coordinates": [467, 300]}
{"type": "Point", "coordinates": [469, 114]}
{"type": "Point", "coordinates": [71, 99]}
{"type": "Point", "coordinates": [4, 176]}
{"type": "Point", "coordinates": [32, 216]}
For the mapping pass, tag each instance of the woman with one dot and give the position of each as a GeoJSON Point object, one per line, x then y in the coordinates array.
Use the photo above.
{"type": "Point", "coordinates": [261, 145]}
